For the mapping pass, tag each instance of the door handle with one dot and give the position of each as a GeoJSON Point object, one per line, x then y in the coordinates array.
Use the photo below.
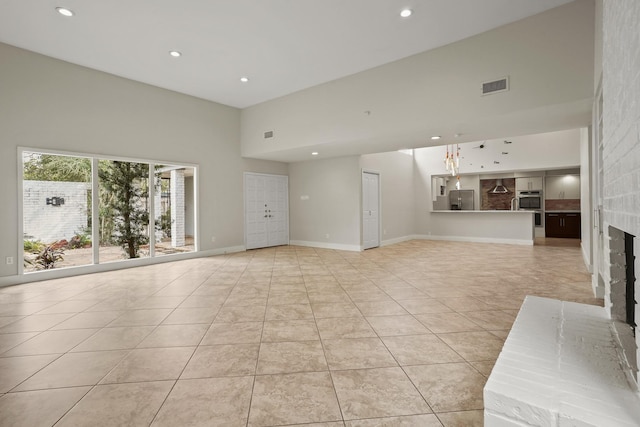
{"type": "Point", "coordinates": [265, 216]}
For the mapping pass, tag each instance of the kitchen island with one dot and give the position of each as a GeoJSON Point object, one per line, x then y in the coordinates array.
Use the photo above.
{"type": "Point", "coordinates": [485, 226]}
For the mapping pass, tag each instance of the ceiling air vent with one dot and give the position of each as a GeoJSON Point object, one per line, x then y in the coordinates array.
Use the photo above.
{"type": "Point", "coordinates": [495, 86]}
{"type": "Point", "coordinates": [268, 134]}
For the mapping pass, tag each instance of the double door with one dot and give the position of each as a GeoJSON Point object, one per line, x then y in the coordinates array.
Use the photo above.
{"type": "Point", "coordinates": [266, 205]}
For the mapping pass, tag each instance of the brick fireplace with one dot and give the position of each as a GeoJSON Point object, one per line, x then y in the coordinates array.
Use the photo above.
{"type": "Point", "coordinates": [622, 296]}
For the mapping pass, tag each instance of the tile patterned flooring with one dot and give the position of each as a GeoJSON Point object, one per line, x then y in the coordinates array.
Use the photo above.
{"type": "Point", "coordinates": [404, 335]}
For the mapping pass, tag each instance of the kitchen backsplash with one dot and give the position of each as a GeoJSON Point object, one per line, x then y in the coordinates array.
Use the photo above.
{"type": "Point", "coordinates": [496, 201]}
{"type": "Point", "coordinates": [562, 204]}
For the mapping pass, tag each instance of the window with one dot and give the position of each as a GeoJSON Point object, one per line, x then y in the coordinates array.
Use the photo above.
{"type": "Point", "coordinates": [143, 209]}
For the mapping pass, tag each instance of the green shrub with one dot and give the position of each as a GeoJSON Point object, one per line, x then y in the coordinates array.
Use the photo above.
{"type": "Point", "coordinates": [47, 258]}
{"type": "Point", "coordinates": [79, 241]}
{"type": "Point", "coordinates": [33, 246]}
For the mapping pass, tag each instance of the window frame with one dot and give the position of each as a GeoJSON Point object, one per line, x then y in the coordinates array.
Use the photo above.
{"type": "Point", "coordinates": [96, 266]}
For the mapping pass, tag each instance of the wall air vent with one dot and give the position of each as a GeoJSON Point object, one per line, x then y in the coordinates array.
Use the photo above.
{"type": "Point", "coordinates": [495, 86]}
{"type": "Point", "coordinates": [268, 134]}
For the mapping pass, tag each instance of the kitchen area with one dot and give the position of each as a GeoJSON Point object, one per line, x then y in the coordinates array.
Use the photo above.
{"type": "Point", "coordinates": [518, 206]}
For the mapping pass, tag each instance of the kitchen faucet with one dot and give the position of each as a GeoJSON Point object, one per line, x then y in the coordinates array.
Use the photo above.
{"type": "Point", "coordinates": [514, 206]}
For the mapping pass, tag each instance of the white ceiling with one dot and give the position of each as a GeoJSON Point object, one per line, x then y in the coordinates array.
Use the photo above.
{"type": "Point", "coordinates": [282, 45]}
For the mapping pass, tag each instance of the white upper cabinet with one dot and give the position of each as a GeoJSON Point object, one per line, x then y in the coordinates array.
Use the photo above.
{"type": "Point", "coordinates": [562, 187]}
{"type": "Point", "coordinates": [531, 183]}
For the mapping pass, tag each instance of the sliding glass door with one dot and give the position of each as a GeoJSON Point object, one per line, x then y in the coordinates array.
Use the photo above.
{"type": "Point", "coordinates": [142, 209]}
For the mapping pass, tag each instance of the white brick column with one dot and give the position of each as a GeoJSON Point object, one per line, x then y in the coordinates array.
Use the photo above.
{"type": "Point", "coordinates": [177, 208]}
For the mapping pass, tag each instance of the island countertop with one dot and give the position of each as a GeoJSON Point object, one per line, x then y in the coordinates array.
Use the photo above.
{"type": "Point", "coordinates": [487, 226]}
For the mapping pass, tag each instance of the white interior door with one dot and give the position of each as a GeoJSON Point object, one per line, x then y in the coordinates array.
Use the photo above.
{"type": "Point", "coordinates": [370, 210]}
{"type": "Point", "coordinates": [266, 201]}
{"type": "Point", "coordinates": [277, 203]}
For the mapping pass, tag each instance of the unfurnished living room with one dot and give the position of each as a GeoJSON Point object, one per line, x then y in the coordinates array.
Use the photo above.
{"type": "Point", "coordinates": [319, 213]}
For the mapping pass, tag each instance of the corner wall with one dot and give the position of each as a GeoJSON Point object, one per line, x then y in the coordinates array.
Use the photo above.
{"type": "Point", "coordinates": [397, 203]}
{"type": "Point", "coordinates": [52, 104]}
{"type": "Point", "coordinates": [324, 203]}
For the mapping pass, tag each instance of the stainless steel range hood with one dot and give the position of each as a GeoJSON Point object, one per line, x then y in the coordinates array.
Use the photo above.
{"type": "Point", "coordinates": [499, 188]}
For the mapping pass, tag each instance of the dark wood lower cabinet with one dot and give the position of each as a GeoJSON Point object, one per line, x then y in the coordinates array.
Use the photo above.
{"type": "Point", "coordinates": [565, 225]}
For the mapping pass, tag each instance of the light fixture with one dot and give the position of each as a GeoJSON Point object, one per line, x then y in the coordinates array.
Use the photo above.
{"type": "Point", "coordinates": [175, 53]}
{"type": "Point", "coordinates": [244, 79]}
{"type": "Point", "coordinates": [435, 137]}
{"type": "Point", "coordinates": [64, 11]}
{"type": "Point", "coordinates": [452, 160]}
{"type": "Point", "coordinates": [315, 153]}
{"type": "Point", "coordinates": [405, 13]}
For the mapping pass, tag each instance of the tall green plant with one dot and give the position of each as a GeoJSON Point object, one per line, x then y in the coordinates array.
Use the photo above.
{"type": "Point", "coordinates": [125, 182]}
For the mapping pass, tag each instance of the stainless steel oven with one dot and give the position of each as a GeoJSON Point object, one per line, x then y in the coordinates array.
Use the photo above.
{"type": "Point", "coordinates": [530, 200]}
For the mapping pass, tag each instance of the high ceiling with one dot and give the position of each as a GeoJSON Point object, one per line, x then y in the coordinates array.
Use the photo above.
{"type": "Point", "coordinates": [282, 46]}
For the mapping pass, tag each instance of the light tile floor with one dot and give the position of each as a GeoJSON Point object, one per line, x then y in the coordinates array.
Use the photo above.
{"type": "Point", "coordinates": [404, 335]}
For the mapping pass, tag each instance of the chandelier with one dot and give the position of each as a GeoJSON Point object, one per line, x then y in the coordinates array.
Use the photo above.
{"type": "Point", "coordinates": [452, 162]}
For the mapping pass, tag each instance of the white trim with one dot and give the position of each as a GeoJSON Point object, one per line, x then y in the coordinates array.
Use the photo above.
{"type": "Point", "coordinates": [325, 245]}
{"type": "Point", "coordinates": [95, 210]}
{"type": "Point", "coordinates": [151, 222]}
{"type": "Point", "coordinates": [20, 226]}
{"type": "Point", "coordinates": [585, 258]}
{"type": "Point", "coordinates": [397, 240]}
{"type": "Point", "coordinates": [112, 266]}
{"type": "Point", "coordinates": [476, 239]}
{"type": "Point", "coordinates": [104, 157]}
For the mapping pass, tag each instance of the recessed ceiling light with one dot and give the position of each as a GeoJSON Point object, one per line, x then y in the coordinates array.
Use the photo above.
{"type": "Point", "coordinates": [244, 79]}
{"type": "Point", "coordinates": [315, 153]}
{"type": "Point", "coordinates": [405, 13]}
{"type": "Point", "coordinates": [64, 11]}
{"type": "Point", "coordinates": [435, 137]}
{"type": "Point", "coordinates": [175, 53]}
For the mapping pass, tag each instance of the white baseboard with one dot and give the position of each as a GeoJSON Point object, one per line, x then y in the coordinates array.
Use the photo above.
{"type": "Point", "coordinates": [111, 266]}
{"type": "Point", "coordinates": [475, 239]}
{"type": "Point", "coordinates": [396, 240]}
{"type": "Point", "coordinates": [586, 258]}
{"type": "Point", "coordinates": [325, 245]}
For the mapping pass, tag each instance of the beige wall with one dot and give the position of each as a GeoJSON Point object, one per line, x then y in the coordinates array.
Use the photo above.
{"type": "Point", "coordinates": [397, 204]}
{"type": "Point", "coordinates": [51, 104]}
{"type": "Point", "coordinates": [324, 200]}
{"type": "Point", "coordinates": [549, 58]}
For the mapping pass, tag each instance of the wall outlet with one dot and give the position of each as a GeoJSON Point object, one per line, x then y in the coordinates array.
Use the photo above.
{"type": "Point", "coordinates": [213, 239]}
{"type": "Point", "coordinates": [384, 231]}
{"type": "Point", "coordinates": [9, 260]}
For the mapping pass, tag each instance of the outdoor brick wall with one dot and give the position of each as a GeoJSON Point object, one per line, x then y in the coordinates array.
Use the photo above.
{"type": "Point", "coordinates": [621, 127]}
{"type": "Point", "coordinates": [49, 223]}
